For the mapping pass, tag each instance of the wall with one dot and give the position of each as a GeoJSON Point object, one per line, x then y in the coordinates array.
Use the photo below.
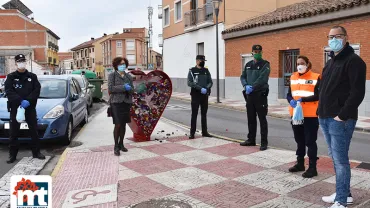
{"type": "Point", "coordinates": [180, 52]}
{"type": "Point", "coordinates": [310, 40]}
{"type": "Point", "coordinates": [175, 29]}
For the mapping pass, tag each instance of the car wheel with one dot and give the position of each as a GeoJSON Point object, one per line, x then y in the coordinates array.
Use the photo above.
{"type": "Point", "coordinates": [92, 102]}
{"type": "Point", "coordinates": [68, 135]}
{"type": "Point", "coordinates": [86, 118]}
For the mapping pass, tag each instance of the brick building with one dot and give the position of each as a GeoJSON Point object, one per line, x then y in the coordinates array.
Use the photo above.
{"type": "Point", "coordinates": [65, 60]}
{"type": "Point", "coordinates": [298, 29]}
{"type": "Point", "coordinates": [130, 44]}
{"type": "Point", "coordinates": [20, 34]}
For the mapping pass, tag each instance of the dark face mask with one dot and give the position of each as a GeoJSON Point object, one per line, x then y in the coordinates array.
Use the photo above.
{"type": "Point", "coordinates": [201, 64]}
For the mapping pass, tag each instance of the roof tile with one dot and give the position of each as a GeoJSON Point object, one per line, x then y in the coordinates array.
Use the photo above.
{"type": "Point", "coordinates": [295, 11]}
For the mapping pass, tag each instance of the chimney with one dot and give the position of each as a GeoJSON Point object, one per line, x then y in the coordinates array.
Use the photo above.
{"type": "Point", "coordinates": [105, 34]}
{"type": "Point", "coordinates": [92, 38]}
{"type": "Point", "coordinates": [32, 18]}
{"type": "Point", "coordinates": [116, 33]}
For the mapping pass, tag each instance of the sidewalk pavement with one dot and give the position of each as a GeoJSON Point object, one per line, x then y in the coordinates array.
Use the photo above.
{"type": "Point", "coordinates": [278, 111]}
{"type": "Point", "coordinates": [202, 173]}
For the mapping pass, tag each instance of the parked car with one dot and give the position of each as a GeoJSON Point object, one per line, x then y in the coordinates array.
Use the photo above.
{"type": "Point", "coordinates": [86, 87]}
{"type": "Point", "coordinates": [60, 109]}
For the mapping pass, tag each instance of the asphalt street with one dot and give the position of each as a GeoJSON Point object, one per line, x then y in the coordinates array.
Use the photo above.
{"type": "Point", "coordinates": [47, 148]}
{"type": "Point", "coordinates": [233, 124]}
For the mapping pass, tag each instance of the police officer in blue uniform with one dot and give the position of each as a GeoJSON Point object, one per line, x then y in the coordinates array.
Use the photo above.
{"type": "Point", "coordinates": [200, 81]}
{"type": "Point", "coordinates": [22, 89]}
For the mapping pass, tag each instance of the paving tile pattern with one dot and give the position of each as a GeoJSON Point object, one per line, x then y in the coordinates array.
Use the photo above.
{"type": "Point", "coordinates": [205, 173]}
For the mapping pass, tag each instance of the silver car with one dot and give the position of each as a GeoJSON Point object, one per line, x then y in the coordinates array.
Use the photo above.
{"type": "Point", "coordinates": [86, 87]}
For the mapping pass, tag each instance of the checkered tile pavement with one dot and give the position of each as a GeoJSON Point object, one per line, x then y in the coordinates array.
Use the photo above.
{"type": "Point", "coordinates": [204, 172]}
{"type": "Point", "coordinates": [280, 111]}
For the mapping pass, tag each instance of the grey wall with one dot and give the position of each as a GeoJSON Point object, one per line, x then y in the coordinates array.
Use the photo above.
{"type": "Point", "coordinates": [364, 109]}
{"type": "Point", "coordinates": [234, 89]}
{"type": "Point", "coordinates": [181, 85]}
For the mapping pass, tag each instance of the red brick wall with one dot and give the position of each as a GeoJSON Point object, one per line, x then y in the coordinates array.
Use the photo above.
{"type": "Point", "coordinates": [310, 40]}
{"type": "Point", "coordinates": [40, 55]}
{"type": "Point", "coordinates": [22, 39]}
{"type": "Point", "coordinates": [18, 23]}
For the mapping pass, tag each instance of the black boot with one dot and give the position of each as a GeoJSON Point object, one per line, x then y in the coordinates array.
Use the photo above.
{"type": "Point", "coordinates": [116, 150]}
{"type": "Point", "coordinates": [122, 147]}
{"type": "Point", "coordinates": [299, 166]}
{"type": "Point", "coordinates": [12, 155]}
{"type": "Point", "coordinates": [311, 171]}
{"type": "Point", "coordinates": [248, 143]}
{"type": "Point", "coordinates": [37, 154]}
{"type": "Point", "coordinates": [191, 136]}
{"type": "Point", "coordinates": [206, 134]}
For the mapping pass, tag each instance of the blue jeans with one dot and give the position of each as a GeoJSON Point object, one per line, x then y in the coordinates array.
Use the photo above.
{"type": "Point", "coordinates": [338, 136]}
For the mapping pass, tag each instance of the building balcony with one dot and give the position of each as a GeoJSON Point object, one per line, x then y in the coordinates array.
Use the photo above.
{"type": "Point", "coordinates": [199, 18]}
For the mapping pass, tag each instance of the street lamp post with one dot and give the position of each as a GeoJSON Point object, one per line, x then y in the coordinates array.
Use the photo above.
{"type": "Point", "coordinates": [147, 52]}
{"type": "Point", "coordinates": [216, 6]}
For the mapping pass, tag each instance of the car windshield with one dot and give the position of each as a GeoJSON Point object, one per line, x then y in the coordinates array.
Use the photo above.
{"type": "Point", "coordinates": [80, 81]}
{"type": "Point", "coordinates": [53, 88]}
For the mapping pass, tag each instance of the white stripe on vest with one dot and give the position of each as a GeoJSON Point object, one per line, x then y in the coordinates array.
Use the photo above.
{"type": "Point", "coordinates": [302, 93]}
{"type": "Point", "coordinates": [303, 81]}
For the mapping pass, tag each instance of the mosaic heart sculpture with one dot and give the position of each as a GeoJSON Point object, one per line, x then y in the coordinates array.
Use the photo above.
{"type": "Point", "coordinates": [152, 94]}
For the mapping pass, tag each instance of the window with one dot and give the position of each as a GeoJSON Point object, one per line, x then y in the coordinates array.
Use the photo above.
{"type": "Point", "coordinates": [131, 59]}
{"type": "Point", "coordinates": [72, 89]}
{"type": "Point", "coordinates": [130, 45]}
{"type": "Point", "coordinates": [90, 50]}
{"type": "Point", "coordinates": [327, 51]}
{"type": "Point", "coordinates": [93, 61]}
{"type": "Point", "coordinates": [166, 13]}
{"type": "Point", "coordinates": [178, 11]}
{"type": "Point", "coordinates": [85, 52]}
{"type": "Point", "coordinates": [119, 44]}
{"type": "Point", "coordinates": [77, 86]}
{"type": "Point", "coordinates": [88, 62]}
{"type": "Point", "coordinates": [245, 59]}
{"type": "Point", "coordinates": [200, 49]}
{"type": "Point", "coordinates": [93, 50]}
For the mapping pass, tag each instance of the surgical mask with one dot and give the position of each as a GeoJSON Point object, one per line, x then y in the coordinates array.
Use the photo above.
{"type": "Point", "coordinates": [336, 44]}
{"type": "Point", "coordinates": [122, 67]}
{"type": "Point", "coordinates": [302, 69]}
{"type": "Point", "coordinates": [257, 56]}
{"type": "Point", "coordinates": [202, 63]}
{"type": "Point", "coordinates": [21, 65]}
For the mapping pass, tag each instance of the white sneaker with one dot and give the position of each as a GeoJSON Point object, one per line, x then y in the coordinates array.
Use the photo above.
{"type": "Point", "coordinates": [337, 205]}
{"type": "Point", "coordinates": [331, 198]}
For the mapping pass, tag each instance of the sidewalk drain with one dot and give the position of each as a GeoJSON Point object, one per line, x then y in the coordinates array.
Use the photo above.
{"type": "Point", "coordinates": [162, 203]}
{"type": "Point", "coordinates": [75, 144]}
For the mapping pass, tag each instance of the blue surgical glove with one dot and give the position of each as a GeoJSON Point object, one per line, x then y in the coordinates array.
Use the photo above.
{"type": "Point", "coordinates": [203, 91]}
{"type": "Point", "coordinates": [249, 89]}
{"type": "Point", "coordinates": [127, 87]}
{"type": "Point", "coordinates": [299, 100]}
{"type": "Point", "coordinates": [293, 103]}
{"type": "Point", "coordinates": [25, 104]}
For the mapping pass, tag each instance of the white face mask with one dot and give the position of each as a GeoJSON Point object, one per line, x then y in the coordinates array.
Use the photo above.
{"type": "Point", "coordinates": [21, 65]}
{"type": "Point", "coordinates": [302, 69]}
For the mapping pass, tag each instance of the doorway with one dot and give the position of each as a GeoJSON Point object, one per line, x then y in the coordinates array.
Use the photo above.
{"type": "Point", "coordinates": [289, 66]}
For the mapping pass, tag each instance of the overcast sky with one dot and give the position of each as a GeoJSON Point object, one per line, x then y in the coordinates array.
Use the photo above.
{"type": "Point", "coordinates": [76, 21]}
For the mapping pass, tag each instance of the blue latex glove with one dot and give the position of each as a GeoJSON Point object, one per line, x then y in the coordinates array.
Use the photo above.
{"type": "Point", "coordinates": [299, 100]}
{"type": "Point", "coordinates": [25, 104]}
{"type": "Point", "coordinates": [127, 87]}
{"type": "Point", "coordinates": [249, 89]}
{"type": "Point", "coordinates": [203, 91]}
{"type": "Point", "coordinates": [293, 103]}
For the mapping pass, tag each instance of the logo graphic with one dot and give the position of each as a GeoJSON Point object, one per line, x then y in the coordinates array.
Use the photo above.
{"type": "Point", "coordinates": [31, 192]}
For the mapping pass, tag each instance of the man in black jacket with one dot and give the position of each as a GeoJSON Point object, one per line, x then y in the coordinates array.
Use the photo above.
{"type": "Point", "coordinates": [341, 92]}
{"type": "Point", "coordinates": [200, 81]}
{"type": "Point", "coordinates": [254, 80]}
{"type": "Point", "coordinates": [22, 89]}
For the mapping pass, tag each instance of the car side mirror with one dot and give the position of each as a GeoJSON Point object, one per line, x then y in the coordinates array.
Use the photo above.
{"type": "Point", "coordinates": [74, 97]}
{"type": "Point", "coordinates": [91, 86]}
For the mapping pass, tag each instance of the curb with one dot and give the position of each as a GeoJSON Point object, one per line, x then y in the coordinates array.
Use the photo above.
{"type": "Point", "coordinates": [273, 115]}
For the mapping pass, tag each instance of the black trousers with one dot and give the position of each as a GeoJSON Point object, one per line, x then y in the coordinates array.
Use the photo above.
{"type": "Point", "coordinates": [197, 100]}
{"type": "Point", "coordinates": [31, 119]}
{"type": "Point", "coordinates": [306, 136]}
{"type": "Point", "coordinates": [257, 106]}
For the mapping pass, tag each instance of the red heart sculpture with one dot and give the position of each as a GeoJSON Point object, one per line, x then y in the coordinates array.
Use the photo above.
{"type": "Point", "coordinates": [152, 94]}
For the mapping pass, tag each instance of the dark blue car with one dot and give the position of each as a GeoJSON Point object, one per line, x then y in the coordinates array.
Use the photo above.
{"type": "Point", "coordinates": [60, 109]}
